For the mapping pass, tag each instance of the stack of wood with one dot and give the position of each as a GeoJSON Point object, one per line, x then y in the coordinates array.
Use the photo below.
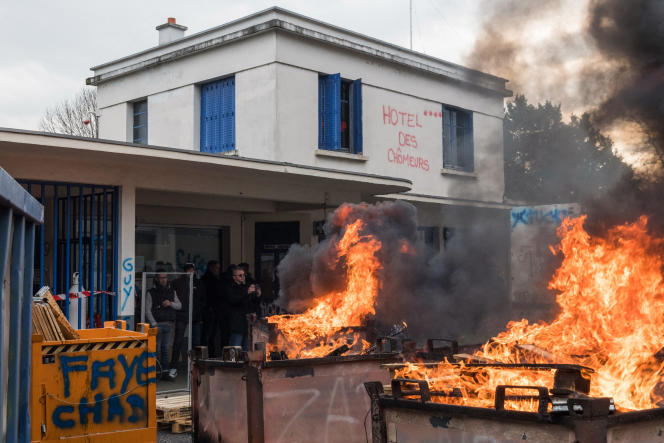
{"type": "Point", "coordinates": [48, 320]}
{"type": "Point", "coordinates": [174, 413]}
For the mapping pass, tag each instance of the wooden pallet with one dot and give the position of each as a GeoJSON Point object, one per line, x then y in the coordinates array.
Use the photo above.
{"type": "Point", "coordinates": [174, 413]}
{"type": "Point", "coordinates": [181, 425]}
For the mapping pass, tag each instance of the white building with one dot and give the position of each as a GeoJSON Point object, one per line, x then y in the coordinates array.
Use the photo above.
{"type": "Point", "coordinates": [235, 142]}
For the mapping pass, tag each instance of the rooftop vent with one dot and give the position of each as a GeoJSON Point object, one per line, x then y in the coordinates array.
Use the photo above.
{"type": "Point", "coordinates": [170, 31]}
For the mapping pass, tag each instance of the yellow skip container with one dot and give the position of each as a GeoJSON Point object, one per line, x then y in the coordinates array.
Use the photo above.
{"type": "Point", "coordinates": [99, 388]}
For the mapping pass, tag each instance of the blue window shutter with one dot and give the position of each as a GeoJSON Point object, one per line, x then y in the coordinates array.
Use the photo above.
{"type": "Point", "coordinates": [332, 112]}
{"type": "Point", "coordinates": [207, 117]}
{"type": "Point", "coordinates": [356, 115]}
{"type": "Point", "coordinates": [321, 112]}
{"type": "Point", "coordinates": [218, 116]}
{"type": "Point", "coordinates": [447, 140]}
{"type": "Point", "coordinates": [227, 123]}
{"type": "Point", "coordinates": [203, 114]}
{"type": "Point", "coordinates": [468, 148]}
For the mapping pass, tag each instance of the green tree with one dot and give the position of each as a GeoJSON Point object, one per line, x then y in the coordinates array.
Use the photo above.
{"type": "Point", "coordinates": [551, 161]}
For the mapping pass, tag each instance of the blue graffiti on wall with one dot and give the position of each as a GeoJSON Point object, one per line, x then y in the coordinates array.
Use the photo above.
{"type": "Point", "coordinates": [529, 216]}
{"type": "Point", "coordinates": [127, 282]}
{"type": "Point", "coordinates": [108, 372]}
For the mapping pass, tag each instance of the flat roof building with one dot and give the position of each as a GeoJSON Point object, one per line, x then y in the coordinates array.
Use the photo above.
{"type": "Point", "coordinates": [235, 142]}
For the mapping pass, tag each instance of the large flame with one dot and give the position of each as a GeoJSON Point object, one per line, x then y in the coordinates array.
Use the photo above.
{"type": "Point", "coordinates": [611, 299]}
{"type": "Point", "coordinates": [319, 330]}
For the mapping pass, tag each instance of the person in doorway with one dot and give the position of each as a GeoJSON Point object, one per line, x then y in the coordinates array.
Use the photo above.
{"type": "Point", "coordinates": [239, 296]}
{"type": "Point", "coordinates": [182, 287]}
{"type": "Point", "coordinates": [161, 306]}
{"type": "Point", "coordinates": [214, 311]}
{"type": "Point", "coordinates": [256, 302]}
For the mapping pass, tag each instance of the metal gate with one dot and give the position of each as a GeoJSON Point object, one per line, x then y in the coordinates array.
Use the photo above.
{"type": "Point", "coordinates": [76, 249]}
{"type": "Point", "coordinates": [19, 214]}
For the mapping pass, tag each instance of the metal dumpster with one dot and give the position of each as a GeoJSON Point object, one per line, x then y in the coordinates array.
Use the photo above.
{"type": "Point", "coordinates": [99, 388]}
{"type": "Point", "coordinates": [303, 400]}
{"type": "Point", "coordinates": [407, 414]}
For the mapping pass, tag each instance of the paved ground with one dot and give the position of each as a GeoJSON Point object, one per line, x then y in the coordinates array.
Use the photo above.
{"type": "Point", "coordinates": [179, 383]}
{"type": "Point", "coordinates": [163, 385]}
{"type": "Point", "coordinates": [167, 437]}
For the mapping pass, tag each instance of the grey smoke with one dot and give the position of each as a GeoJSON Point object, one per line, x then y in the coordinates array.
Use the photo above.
{"type": "Point", "coordinates": [620, 51]}
{"type": "Point", "coordinates": [460, 292]}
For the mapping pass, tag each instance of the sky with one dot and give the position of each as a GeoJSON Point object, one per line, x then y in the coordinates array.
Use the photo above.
{"type": "Point", "coordinates": [48, 47]}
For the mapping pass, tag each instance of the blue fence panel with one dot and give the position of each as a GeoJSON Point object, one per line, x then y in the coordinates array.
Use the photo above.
{"type": "Point", "coordinates": [84, 236]}
{"type": "Point", "coordinates": [19, 215]}
{"type": "Point", "coordinates": [6, 215]}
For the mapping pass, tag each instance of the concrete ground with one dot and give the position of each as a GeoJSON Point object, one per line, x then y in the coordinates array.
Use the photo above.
{"type": "Point", "coordinates": [166, 385]}
{"type": "Point", "coordinates": [179, 383]}
{"type": "Point", "coordinates": [167, 437]}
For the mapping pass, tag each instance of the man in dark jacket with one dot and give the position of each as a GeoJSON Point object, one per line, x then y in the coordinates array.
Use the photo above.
{"type": "Point", "coordinates": [240, 298]}
{"type": "Point", "coordinates": [255, 306]}
{"type": "Point", "coordinates": [182, 288]}
{"type": "Point", "coordinates": [214, 307]}
{"type": "Point", "coordinates": [161, 306]}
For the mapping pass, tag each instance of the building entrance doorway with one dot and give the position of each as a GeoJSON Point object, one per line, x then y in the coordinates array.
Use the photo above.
{"type": "Point", "coordinates": [272, 242]}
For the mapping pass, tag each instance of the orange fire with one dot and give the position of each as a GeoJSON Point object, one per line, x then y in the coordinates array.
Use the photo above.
{"type": "Point", "coordinates": [611, 298]}
{"type": "Point", "coordinates": [321, 329]}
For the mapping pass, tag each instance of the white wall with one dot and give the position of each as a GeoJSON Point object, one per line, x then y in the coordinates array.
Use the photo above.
{"type": "Point", "coordinates": [276, 80]}
{"type": "Point", "coordinates": [394, 125]}
{"type": "Point", "coordinates": [256, 113]}
{"type": "Point", "coordinates": [202, 67]}
{"type": "Point", "coordinates": [171, 118]}
{"type": "Point", "coordinates": [115, 122]}
{"type": "Point", "coordinates": [297, 110]}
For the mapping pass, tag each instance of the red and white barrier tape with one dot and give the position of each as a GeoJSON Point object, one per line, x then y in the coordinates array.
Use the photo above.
{"type": "Point", "coordinates": [80, 294]}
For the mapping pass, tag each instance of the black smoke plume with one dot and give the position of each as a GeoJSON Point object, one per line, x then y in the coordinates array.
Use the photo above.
{"type": "Point", "coordinates": [612, 69]}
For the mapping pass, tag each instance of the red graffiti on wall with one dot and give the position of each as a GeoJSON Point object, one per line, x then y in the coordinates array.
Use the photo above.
{"type": "Point", "coordinates": [394, 117]}
{"type": "Point", "coordinates": [404, 158]}
{"type": "Point", "coordinates": [406, 138]}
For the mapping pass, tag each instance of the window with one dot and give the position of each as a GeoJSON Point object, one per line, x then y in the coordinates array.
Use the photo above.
{"type": "Point", "coordinates": [339, 114]}
{"type": "Point", "coordinates": [141, 122]}
{"type": "Point", "coordinates": [458, 139]}
{"type": "Point", "coordinates": [218, 116]}
{"type": "Point", "coordinates": [429, 236]}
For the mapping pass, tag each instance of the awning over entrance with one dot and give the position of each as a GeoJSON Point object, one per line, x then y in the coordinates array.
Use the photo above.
{"type": "Point", "coordinates": [36, 155]}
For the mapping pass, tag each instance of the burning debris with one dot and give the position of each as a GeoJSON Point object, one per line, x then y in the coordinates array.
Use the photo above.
{"type": "Point", "coordinates": [314, 332]}
{"type": "Point", "coordinates": [609, 289]}
{"type": "Point", "coordinates": [372, 273]}
{"type": "Point", "coordinates": [610, 293]}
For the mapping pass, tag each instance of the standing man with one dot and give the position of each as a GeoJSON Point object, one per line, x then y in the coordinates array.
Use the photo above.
{"type": "Point", "coordinates": [255, 304]}
{"type": "Point", "coordinates": [181, 286]}
{"type": "Point", "coordinates": [240, 296]}
{"type": "Point", "coordinates": [161, 306]}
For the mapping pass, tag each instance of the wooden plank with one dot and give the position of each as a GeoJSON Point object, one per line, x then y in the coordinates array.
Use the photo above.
{"type": "Point", "coordinates": [36, 327]}
{"type": "Point", "coordinates": [42, 321]}
{"type": "Point", "coordinates": [468, 358]}
{"type": "Point", "coordinates": [53, 324]}
{"type": "Point", "coordinates": [538, 352]}
{"type": "Point", "coordinates": [179, 427]}
{"type": "Point", "coordinates": [66, 329]}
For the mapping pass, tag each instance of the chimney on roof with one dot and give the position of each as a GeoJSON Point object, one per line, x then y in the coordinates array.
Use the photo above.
{"type": "Point", "coordinates": [170, 31]}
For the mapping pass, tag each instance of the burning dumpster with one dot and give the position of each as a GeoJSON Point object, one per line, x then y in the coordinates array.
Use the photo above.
{"type": "Point", "coordinates": [408, 410]}
{"type": "Point", "coordinates": [97, 388]}
{"type": "Point", "coordinates": [595, 373]}
{"type": "Point", "coordinates": [283, 400]}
